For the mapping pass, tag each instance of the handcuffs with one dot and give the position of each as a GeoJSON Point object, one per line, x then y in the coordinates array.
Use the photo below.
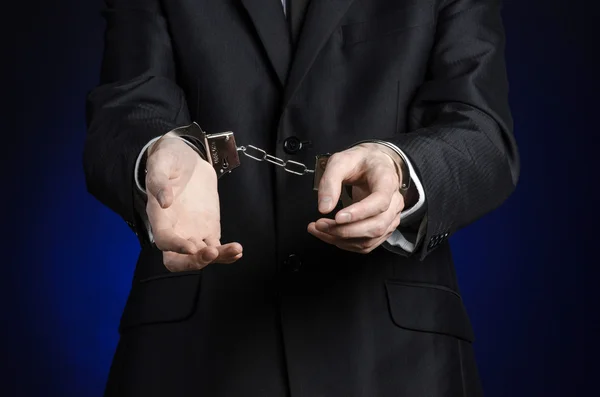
{"type": "Point", "coordinates": [221, 150]}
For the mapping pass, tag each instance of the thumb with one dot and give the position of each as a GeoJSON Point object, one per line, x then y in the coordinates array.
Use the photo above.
{"type": "Point", "coordinates": [341, 167]}
{"type": "Point", "coordinates": [158, 181]}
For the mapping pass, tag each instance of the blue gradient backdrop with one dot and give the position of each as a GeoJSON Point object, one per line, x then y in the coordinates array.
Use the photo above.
{"type": "Point", "coordinates": [528, 270]}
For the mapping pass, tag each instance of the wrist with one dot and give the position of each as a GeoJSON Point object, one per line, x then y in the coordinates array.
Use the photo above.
{"type": "Point", "coordinates": [172, 137]}
{"type": "Point", "coordinates": [396, 161]}
{"type": "Point", "coordinates": [408, 191]}
{"type": "Point", "coordinates": [406, 187]}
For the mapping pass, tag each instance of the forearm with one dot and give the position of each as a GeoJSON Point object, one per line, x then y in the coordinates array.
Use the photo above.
{"type": "Point", "coordinates": [137, 99]}
{"type": "Point", "coordinates": [117, 131]}
{"type": "Point", "coordinates": [460, 130]}
{"type": "Point", "coordinates": [464, 173]}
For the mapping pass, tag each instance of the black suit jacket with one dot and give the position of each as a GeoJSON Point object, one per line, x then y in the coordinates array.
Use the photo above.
{"type": "Point", "coordinates": [296, 316]}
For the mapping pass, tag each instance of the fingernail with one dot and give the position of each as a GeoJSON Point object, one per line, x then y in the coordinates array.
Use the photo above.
{"type": "Point", "coordinates": [323, 227]}
{"type": "Point", "coordinates": [345, 217]}
{"type": "Point", "coordinates": [324, 203]}
{"type": "Point", "coordinates": [161, 198]}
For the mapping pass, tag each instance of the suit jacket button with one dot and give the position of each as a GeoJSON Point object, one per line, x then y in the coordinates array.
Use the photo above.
{"type": "Point", "coordinates": [292, 145]}
{"type": "Point", "coordinates": [293, 263]}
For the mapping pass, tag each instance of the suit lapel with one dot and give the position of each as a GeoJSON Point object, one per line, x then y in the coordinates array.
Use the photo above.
{"type": "Point", "coordinates": [271, 26]}
{"type": "Point", "coordinates": [321, 19]}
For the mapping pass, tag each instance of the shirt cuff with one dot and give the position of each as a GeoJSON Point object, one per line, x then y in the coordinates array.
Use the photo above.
{"type": "Point", "coordinates": [138, 161]}
{"type": "Point", "coordinates": [414, 179]}
{"type": "Point", "coordinates": [403, 243]}
{"type": "Point", "coordinates": [405, 240]}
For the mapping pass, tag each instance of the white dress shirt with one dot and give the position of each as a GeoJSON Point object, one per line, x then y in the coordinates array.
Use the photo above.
{"type": "Point", "coordinates": [399, 242]}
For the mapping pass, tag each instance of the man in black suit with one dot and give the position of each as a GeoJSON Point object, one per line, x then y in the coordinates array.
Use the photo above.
{"type": "Point", "coordinates": [347, 299]}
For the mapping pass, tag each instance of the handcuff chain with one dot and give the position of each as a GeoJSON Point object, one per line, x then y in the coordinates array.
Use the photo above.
{"type": "Point", "coordinates": [290, 166]}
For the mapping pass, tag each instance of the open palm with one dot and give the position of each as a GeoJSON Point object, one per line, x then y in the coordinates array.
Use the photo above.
{"type": "Point", "coordinates": [183, 208]}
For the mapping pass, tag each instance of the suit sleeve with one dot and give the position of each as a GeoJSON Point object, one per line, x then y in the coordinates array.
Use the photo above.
{"type": "Point", "coordinates": [460, 137]}
{"type": "Point", "coordinates": [137, 99]}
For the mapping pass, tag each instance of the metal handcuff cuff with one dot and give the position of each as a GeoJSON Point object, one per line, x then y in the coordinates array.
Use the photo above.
{"type": "Point", "coordinates": [221, 151]}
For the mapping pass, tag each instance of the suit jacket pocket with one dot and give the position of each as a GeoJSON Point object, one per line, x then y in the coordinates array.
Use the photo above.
{"type": "Point", "coordinates": [393, 22]}
{"type": "Point", "coordinates": [428, 308]}
{"type": "Point", "coordinates": [166, 298]}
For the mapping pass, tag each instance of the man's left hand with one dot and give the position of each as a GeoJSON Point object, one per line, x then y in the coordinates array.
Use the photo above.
{"type": "Point", "coordinates": [375, 213]}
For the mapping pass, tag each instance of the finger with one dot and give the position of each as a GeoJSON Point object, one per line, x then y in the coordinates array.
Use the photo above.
{"type": "Point", "coordinates": [341, 167]}
{"type": "Point", "coordinates": [226, 252]}
{"type": "Point", "coordinates": [207, 255]}
{"type": "Point", "coordinates": [362, 245]}
{"type": "Point", "coordinates": [383, 188]}
{"type": "Point", "coordinates": [232, 260]}
{"type": "Point", "coordinates": [198, 242]}
{"type": "Point", "coordinates": [167, 240]}
{"type": "Point", "coordinates": [203, 257]}
{"type": "Point", "coordinates": [175, 262]}
{"type": "Point", "coordinates": [373, 227]}
{"type": "Point", "coordinates": [326, 237]}
{"type": "Point", "coordinates": [158, 179]}
{"type": "Point", "coordinates": [221, 254]}
{"type": "Point", "coordinates": [358, 245]}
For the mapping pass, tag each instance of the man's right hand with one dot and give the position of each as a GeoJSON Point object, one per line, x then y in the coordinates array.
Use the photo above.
{"type": "Point", "coordinates": [183, 207]}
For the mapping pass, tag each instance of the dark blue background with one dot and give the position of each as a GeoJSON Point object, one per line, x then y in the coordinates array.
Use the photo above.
{"type": "Point", "coordinates": [528, 271]}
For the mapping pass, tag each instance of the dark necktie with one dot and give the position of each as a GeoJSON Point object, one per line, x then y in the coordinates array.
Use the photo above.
{"type": "Point", "coordinates": [296, 12]}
